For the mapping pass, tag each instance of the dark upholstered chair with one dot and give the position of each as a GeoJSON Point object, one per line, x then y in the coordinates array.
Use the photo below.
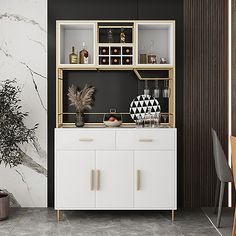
{"type": "Point", "coordinates": [223, 172]}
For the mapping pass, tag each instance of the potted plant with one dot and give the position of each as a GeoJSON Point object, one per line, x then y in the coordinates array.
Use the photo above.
{"type": "Point", "coordinates": [4, 205]}
{"type": "Point", "coordinates": [14, 134]}
{"type": "Point", "coordinates": [82, 100]}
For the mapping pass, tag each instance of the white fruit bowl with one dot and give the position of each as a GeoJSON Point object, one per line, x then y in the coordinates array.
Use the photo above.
{"type": "Point", "coordinates": [112, 123]}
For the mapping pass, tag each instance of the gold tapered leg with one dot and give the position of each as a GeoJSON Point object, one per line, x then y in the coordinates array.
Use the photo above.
{"type": "Point", "coordinates": [173, 215]}
{"type": "Point", "coordinates": [58, 215]}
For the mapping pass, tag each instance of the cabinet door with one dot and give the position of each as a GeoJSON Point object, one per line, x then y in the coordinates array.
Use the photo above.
{"type": "Point", "coordinates": [115, 179]}
{"type": "Point", "coordinates": [155, 179]}
{"type": "Point", "coordinates": [74, 179]}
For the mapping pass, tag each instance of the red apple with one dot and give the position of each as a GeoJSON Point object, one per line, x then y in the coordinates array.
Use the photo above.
{"type": "Point", "coordinates": [112, 119]}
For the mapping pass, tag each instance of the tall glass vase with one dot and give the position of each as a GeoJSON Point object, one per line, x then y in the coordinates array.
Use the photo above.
{"type": "Point", "coordinates": [79, 119]}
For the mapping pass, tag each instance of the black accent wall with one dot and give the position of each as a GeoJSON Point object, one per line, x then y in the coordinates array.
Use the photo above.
{"type": "Point", "coordinates": [113, 10]}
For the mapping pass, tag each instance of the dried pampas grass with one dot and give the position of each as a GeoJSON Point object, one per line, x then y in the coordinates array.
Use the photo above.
{"type": "Point", "coordinates": [82, 100]}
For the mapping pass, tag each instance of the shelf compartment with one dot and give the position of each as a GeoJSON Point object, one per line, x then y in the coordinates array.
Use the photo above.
{"type": "Point", "coordinates": [103, 50]}
{"type": "Point", "coordinates": [116, 29]}
{"type": "Point", "coordinates": [161, 47]}
{"type": "Point", "coordinates": [74, 34]}
{"type": "Point", "coordinates": [127, 60]}
{"type": "Point", "coordinates": [127, 50]}
{"type": "Point", "coordinates": [103, 60]}
{"type": "Point", "coordinates": [115, 60]}
{"type": "Point", "coordinates": [115, 50]}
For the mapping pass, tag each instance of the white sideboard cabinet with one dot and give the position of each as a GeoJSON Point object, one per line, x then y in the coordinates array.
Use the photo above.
{"type": "Point", "coordinates": [115, 168]}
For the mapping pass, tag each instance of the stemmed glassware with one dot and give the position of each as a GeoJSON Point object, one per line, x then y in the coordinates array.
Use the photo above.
{"type": "Point", "coordinates": [165, 116]}
{"type": "Point", "coordinates": [146, 88]}
{"type": "Point", "coordinates": [139, 122]}
{"type": "Point", "coordinates": [156, 120]}
{"type": "Point", "coordinates": [148, 119]}
{"type": "Point", "coordinates": [156, 91]}
{"type": "Point", "coordinates": [166, 90]}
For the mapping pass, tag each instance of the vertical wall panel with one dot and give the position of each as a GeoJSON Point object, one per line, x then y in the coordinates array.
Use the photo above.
{"type": "Point", "coordinates": [233, 75]}
{"type": "Point", "coordinates": [205, 95]}
{"type": "Point", "coordinates": [233, 51]}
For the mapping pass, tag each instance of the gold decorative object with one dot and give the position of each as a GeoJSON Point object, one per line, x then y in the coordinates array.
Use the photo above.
{"type": "Point", "coordinates": [143, 58]}
{"type": "Point", "coordinates": [73, 57]}
{"type": "Point", "coordinates": [122, 35]}
{"type": "Point", "coordinates": [152, 59]}
{"type": "Point", "coordinates": [163, 60]}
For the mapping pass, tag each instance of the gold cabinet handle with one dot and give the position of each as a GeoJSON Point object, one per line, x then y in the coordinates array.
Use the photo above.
{"type": "Point", "coordinates": [146, 140]}
{"type": "Point", "coordinates": [85, 139]}
{"type": "Point", "coordinates": [98, 179]}
{"type": "Point", "coordinates": [91, 180]}
{"type": "Point", "coordinates": [138, 179]}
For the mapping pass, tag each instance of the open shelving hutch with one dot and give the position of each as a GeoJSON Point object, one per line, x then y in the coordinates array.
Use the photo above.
{"type": "Point", "coordinates": [160, 34]}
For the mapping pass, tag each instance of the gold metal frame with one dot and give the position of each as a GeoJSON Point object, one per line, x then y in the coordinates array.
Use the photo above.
{"type": "Point", "coordinates": [60, 68]}
{"type": "Point", "coordinates": [173, 215]}
{"type": "Point", "coordinates": [58, 215]}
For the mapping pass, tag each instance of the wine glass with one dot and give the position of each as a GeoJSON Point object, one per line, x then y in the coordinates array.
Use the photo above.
{"type": "Point", "coordinates": [166, 90]}
{"type": "Point", "coordinates": [165, 116]}
{"type": "Point", "coordinates": [156, 120]}
{"type": "Point", "coordinates": [139, 122]}
{"type": "Point", "coordinates": [148, 119]}
{"type": "Point", "coordinates": [146, 89]}
{"type": "Point", "coordinates": [156, 91]}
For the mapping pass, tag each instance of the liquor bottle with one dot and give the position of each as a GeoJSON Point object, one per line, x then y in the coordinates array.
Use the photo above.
{"type": "Point", "coordinates": [110, 36]}
{"type": "Point", "coordinates": [122, 35]}
{"type": "Point", "coordinates": [83, 55]}
{"type": "Point", "coordinates": [73, 57]}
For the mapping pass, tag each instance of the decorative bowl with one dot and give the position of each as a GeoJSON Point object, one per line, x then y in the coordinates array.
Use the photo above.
{"type": "Point", "coordinates": [112, 119]}
{"type": "Point", "coordinates": [116, 123]}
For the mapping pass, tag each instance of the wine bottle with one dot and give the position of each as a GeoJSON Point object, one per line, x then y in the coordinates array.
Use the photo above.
{"type": "Point", "coordinates": [73, 57]}
{"type": "Point", "coordinates": [83, 55]}
{"type": "Point", "coordinates": [122, 35]}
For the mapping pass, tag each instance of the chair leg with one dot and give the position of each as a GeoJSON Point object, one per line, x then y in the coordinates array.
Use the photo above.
{"type": "Point", "coordinates": [222, 189]}
{"type": "Point", "coordinates": [217, 193]}
{"type": "Point", "coordinates": [234, 226]}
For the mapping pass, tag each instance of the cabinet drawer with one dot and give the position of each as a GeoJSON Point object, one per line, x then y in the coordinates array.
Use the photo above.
{"type": "Point", "coordinates": [67, 139]}
{"type": "Point", "coordinates": [160, 139]}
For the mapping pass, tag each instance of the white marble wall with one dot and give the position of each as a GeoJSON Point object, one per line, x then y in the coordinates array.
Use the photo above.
{"type": "Point", "coordinates": [23, 55]}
